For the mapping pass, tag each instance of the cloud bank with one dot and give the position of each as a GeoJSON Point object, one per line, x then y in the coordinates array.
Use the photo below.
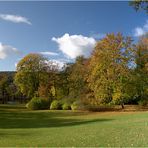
{"type": "Point", "coordinates": [75, 45]}
{"type": "Point", "coordinates": [140, 31]}
{"type": "Point", "coordinates": [7, 50]}
{"type": "Point", "coordinates": [15, 18]}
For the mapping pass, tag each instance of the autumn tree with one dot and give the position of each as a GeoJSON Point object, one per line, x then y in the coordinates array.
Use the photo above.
{"type": "Point", "coordinates": [48, 81]}
{"type": "Point", "coordinates": [109, 69]}
{"type": "Point", "coordinates": [32, 73]}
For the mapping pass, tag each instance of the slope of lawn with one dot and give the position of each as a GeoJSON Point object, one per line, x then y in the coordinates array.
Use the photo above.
{"type": "Point", "coordinates": [20, 127]}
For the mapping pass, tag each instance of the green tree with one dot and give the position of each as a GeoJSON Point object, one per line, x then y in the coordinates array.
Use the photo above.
{"type": "Point", "coordinates": [3, 88]}
{"type": "Point", "coordinates": [32, 71]}
{"type": "Point", "coordinates": [76, 78]}
{"type": "Point", "coordinates": [141, 70]}
{"type": "Point", "coordinates": [62, 84]}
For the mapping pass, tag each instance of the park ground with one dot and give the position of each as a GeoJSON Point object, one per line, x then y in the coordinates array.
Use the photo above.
{"type": "Point", "coordinates": [20, 127]}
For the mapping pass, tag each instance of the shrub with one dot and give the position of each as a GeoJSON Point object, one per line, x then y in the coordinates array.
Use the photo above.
{"type": "Point", "coordinates": [66, 106]}
{"type": "Point", "coordinates": [38, 103]}
{"type": "Point", "coordinates": [27, 105]}
{"type": "Point", "coordinates": [55, 105]}
{"type": "Point", "coordinates": [77, 106]}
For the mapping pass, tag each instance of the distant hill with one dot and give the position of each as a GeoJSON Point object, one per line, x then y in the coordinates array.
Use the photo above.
{"type": "Point", "coordinates": [8, 73]}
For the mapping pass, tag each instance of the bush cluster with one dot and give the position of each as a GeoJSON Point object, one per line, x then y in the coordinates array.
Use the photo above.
{"type": "Point", "coordinates": [37, 103]}
{"type": "Point", "coordinates": [77, 105]}
{"type": "Point", "coordinates": [55, 105]}
{"type": "Point", "coordinates": [66, 106]}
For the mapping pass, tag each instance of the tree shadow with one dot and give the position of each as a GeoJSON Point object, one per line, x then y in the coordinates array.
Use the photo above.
{"type": "Point", "coordinates": [40, 119]}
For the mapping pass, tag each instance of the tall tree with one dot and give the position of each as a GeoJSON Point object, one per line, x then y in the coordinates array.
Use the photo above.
{"type": "Point", "coordinates": [62, 84]}
{"type": "Point", "coordinates": [77, 82]}
{"type": "Point", "coordinates": [109, 68]}
{"type": "Point", "coordinates": [141, 71]}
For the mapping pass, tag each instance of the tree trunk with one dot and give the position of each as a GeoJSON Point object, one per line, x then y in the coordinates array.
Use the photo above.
{"type": "Point", "coordinates": [122, 105]}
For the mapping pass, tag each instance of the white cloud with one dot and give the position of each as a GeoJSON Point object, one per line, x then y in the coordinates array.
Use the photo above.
{"type": "Point", "coordinates": [7, 50]}
{"type": "Point", "coordinates": [60, 62]}
{"type": "Point", "coordinates": [139, 31]}
{"type": "Point", "coordinates": [15, 18]}
{"type": "Point", "coordinates": [75, 45]}
{"type": "Point", "coordinates": [49, 53]}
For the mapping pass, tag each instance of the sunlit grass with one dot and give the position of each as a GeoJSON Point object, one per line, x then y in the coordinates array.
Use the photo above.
{"type": "Point", "coordinates": [20, 127]}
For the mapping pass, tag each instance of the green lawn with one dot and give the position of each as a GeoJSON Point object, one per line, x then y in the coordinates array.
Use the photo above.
{"type": "Point", "coordinates": [20, 127]}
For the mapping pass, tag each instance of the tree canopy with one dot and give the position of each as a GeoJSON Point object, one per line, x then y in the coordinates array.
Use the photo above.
{"type": "Point", "coordinates": [139, 5]}
{"type": "Point", "coordinates": [115, 73]}
{"type": "Point", "coordinates": [109, 69]}
{"type": "Point", "coordinates": [32, 72]}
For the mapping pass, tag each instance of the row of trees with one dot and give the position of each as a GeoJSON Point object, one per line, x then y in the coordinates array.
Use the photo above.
{"type": "Point", "coordinates": [8, 89]}
{"type": "Point", "coordinates": [116, 72]}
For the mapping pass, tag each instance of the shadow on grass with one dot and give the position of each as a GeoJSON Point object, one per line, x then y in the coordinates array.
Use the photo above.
{"type": "Point", "coordinates": [5, 106]}
{"type": "Point", "coordinates": [21, 118]}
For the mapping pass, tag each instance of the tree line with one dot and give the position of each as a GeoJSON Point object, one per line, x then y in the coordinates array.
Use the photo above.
{"type": "Point", "coordinates": [115, 73]}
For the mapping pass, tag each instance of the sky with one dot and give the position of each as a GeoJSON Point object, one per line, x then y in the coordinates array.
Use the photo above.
{"type": "Point", "coordinates": [61, 31]}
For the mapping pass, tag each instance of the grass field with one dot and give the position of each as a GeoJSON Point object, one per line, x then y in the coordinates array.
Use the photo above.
{"type": "Point", "coordinates": [20, 127]}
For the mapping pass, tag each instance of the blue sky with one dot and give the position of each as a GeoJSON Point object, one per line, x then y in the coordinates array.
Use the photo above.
{"type": "Point", "coordinates": [62, 30]}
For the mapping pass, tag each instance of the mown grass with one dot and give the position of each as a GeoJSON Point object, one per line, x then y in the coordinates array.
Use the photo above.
{"type": "Point", "coordinates": [20, 127]}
